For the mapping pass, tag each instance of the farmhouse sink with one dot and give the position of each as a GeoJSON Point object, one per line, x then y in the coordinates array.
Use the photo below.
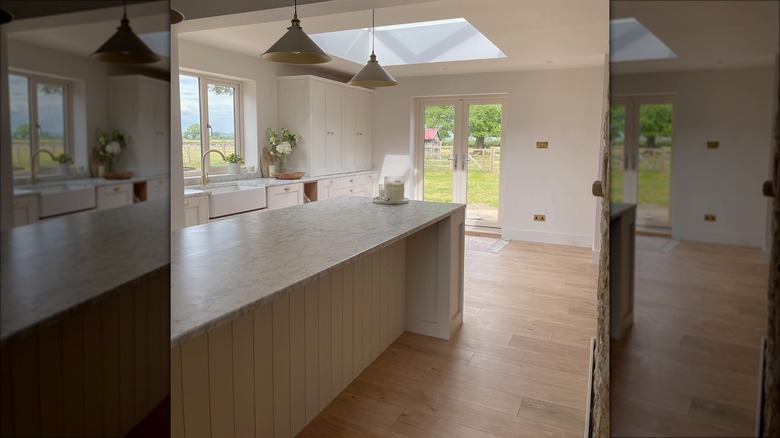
{"type": "Point", "coordinates": [65, 198]}
{"type": "Point", "coordinates": [224, 201]}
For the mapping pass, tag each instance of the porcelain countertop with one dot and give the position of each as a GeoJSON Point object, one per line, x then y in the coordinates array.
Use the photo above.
{"type": "Point", "coordinates": [249, 180]}
{"type": "Point", "coordinates": [57, 266]}
{"type": "Point", "coordinates": [224, 269]}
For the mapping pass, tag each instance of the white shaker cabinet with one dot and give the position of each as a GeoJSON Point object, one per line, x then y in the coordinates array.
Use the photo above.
{"type": "Point", "coordinates": [157, 188]}
{"type": "Point", "coordinates": [196, 210]}
{"type": "Point", "coordinates": [140, 106]}
{"type": "Point", "coordinates": [113, 196]}
{"type": "Point", "coordinates": [25, 210]}
{"type": "Point", "coordinates": [358, 185]}
{"type": "Point", "coordinates": [285, 196]}
{"type": "Point", "coordinates": [334, 121]}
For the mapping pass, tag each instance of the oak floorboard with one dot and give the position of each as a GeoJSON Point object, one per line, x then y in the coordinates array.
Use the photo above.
{"type": "Point", "coordinates": [516, 368]}
{"type": "Point", "coordinates": [689, 364]}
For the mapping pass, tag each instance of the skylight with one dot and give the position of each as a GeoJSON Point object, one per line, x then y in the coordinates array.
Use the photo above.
{"type": "Point", "coordinates": [414, 43]}
{"type": "Point", "coordinates": [629, 40]}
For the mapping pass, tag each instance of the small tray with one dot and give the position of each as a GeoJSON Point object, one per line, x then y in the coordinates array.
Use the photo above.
{"type": "Point", "coordinates": [118, 175]}
{"type": "Point", "coordinates": [289, 175]}
{"type": "Point", "coordinates": [383, 201]}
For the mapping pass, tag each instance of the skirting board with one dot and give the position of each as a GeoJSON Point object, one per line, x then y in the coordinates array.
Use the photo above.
{"type": "Point", "coordinates": [595, 256]}
{"type": "Point", "coordinates": [547, 237]}
{"type": "Point", "coordinates": [718, 237]}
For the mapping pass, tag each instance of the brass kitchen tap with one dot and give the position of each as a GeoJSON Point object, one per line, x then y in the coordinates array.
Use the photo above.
{"type": "Point", "coordinates": [204, 177]}
{"type": "Point", "coordinates": [34, 177]}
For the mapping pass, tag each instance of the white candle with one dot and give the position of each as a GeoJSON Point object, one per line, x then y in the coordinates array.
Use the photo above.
{"type": "Point", "coordinates": [394, 188]}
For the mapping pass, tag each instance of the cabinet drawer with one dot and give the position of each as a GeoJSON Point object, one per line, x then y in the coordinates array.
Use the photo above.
{"type": "Point", "coordinates": [285, 196]}
{"type": "Point", "coordinates": [351, 181]}
{"type": "Point", "coordinates": [114, 196]}
{"type": "Point", "coordinates": [362, 190]}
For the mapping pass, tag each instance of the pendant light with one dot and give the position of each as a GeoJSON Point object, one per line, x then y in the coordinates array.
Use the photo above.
{"type": "Point", "coordinates": [124, 47]}
{"type": "Point", "coordinates": [295, 47]}
{"type": "Point", "coordinates": [373, 75]}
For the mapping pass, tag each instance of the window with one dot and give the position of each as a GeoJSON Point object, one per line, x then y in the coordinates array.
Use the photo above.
{"type": "Point", "coordinates": [213, 103]}
{"type": "Point", "coordinates": [43, 104]}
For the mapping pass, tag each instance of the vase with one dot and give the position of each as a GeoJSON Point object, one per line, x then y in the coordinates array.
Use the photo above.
{"type": "Point", "coordinates": [234, 168]}
{"type": "Point", "coordinates": [109, 165]}
{"type": "Point", "coordinates": [63, 168]}
{"type": "Point", "coordinates": [280, 163]}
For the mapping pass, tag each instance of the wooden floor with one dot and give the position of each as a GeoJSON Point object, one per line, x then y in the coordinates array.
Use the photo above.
{"type": "Point", "coordinates": [517, 367]}
{"type": "Point", "coordinates": [689, 365]}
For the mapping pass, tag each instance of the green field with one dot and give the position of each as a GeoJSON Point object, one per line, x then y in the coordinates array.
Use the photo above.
{"type": "Point", "coordinates": [20, 153]}
{"type": "Point", "coordinates": [482, 184]}
{"type": "Point", "coordinates": [654, 173]}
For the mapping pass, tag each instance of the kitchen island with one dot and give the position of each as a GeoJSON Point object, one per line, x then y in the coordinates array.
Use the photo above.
{"type": "Point", "coordinates": [274, 313]}
{"type": "Point", "coordinates": [84, 329]}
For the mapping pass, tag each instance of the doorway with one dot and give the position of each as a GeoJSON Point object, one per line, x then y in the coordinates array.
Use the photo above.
{"type": "Point", "coordinates": [459, 154]}
{"type": "Point", "coordinates": [642, 147]}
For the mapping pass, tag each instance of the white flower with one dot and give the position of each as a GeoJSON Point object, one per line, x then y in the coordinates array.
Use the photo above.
{"type": "Point", "coordinates": [283, 148]}
{"type": "Point", "coordinates": [113, 148]}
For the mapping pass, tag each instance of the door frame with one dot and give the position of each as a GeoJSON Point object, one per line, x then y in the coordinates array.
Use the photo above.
{"type": "Point", "coordinates": [631, 133]}
{"type": "Point", "coordinates": [461, 103]}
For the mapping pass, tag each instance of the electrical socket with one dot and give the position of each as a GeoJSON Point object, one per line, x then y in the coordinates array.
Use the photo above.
{"type": "Point", "coordinates": [539, 217]}
{"type": "Point", "coordinates": [710, 217]}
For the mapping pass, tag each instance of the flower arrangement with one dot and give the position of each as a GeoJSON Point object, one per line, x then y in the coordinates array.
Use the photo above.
{"type": "Point", "coordinates": [63, 158]}
{"type": "Point", "coordinates": [111, 145]}
{"type": "Point", "coordinates": [233, 158]}
{"type": "Point", "coordinates": [282, 146]}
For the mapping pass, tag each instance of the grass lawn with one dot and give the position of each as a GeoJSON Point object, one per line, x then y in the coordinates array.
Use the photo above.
{"type": "Point", "coordinates": [654, 171]}
{"type": "Point", "coordinates": [482, 185]}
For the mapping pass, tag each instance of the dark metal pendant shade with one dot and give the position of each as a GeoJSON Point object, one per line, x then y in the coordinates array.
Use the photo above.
{"type": "Point", "coordinates": [124, 47]}
{"type": "Point", "coordinates": [373, 75]}
{"type": "Point", "coordinates": [295, 47]}
{"type": "Point", "coordinates": [5, 16]}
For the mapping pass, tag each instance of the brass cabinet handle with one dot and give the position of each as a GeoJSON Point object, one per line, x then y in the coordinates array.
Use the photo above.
{"type": "Point", "coordinates": [287, 189]}
{"type": "Point", "coordinates": [116, 188]}
{"type": "Point", "coordinates": [186, 203]}
{"type": "Point", "coordinates": [16, 202]}
{"type": "Point", "coordinates": [352, 180]}
{"type": "Point", "coordinates": [351, 190]}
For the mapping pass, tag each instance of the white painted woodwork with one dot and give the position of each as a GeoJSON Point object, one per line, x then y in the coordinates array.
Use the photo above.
{"type": "Point", "coordinates": [196, 210]}
{"type": "Point", "coordinates": [334, 120]}
{"type": "Point", "coordinates": [357, 185]}
{"type": "Point", "coordinates": [25, 210]}
{"type": "Point", "coordinates": [97, 371]}
{"type": "Point", "coordinates": [285, 195]}
{"type": "Point", "coordinates": [140, 106]}
{"type": "Point", "coordinates": [157, 188]}
{"type": "Point", "coordinates": [308, 345]}
{"type": "Point", "coordinates": [113, 196]}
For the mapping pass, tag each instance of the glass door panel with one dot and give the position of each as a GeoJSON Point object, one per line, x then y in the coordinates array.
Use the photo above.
{"type": "Point", "coordinates": [51, 122]}
{"type": "Point", "coordinates": [439, 159]}
{"type": "Point", "coordinates": [617, 149]}
{"type": "Point", "coordinates": [653, 166]}
{"type": "Point", "coordinates": [482, 159]}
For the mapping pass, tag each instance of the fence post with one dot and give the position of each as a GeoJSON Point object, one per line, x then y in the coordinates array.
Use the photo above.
{"type": "Point", "coordinates": [492, 157]}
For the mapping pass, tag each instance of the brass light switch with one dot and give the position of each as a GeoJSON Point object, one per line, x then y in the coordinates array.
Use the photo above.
{"type": "Point", "coordinates": [713, 144]}
{"type": "Point", "coordinates": [541, 145]}
{"type": "Point", "coordinates": [539, 218]}
{"type": "Point", "coordinates": [710, 217]}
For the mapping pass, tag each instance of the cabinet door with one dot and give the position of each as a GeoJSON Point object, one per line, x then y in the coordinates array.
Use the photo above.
{"type": "Point", "coordinates": [333, 122]}
{"type": "Point", "coordinates": [25, 210]}
{"type": "Point", "coordinates": [320, 133]}
{"type": "Point", "coordinates": [349, 136]}
{"type": "Point", "coordinates": [285, 196]}
{"type": "Point", "coordinates": [160, 149]}
{"type": "Point", "coordinates": [156, 188]}
{"type": "Point", "coordinates": [114, 196]}
{"type": "Point", "coordinates": [196, 210]}
{"type": "Point", "coordinates": [363, 145]}
{"type": "Point", "coordinates": [324, 188]}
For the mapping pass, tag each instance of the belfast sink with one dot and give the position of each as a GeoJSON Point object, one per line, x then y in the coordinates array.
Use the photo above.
{"type": "Point", "coordinates": [65, 198]}
{"type": "Point", "coordinates": [224, 201]}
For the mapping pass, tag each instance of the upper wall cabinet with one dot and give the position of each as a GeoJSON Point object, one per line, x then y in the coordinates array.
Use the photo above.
{"type": "Point", "coordinates": [334, 120]}
{"type": "Point", "coordinates": [140, 106]}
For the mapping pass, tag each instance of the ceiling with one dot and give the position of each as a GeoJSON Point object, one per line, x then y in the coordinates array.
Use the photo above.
{"type": "Point", "coordinates": [534, 34]}
{"type": "Point", "coordinates": [705, 34]}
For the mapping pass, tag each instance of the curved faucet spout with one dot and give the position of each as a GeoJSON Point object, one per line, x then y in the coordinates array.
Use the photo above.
{"type": "Point", "coordinates": [33, 173]}
{"type": "Point", "coordinates": [204, 177]}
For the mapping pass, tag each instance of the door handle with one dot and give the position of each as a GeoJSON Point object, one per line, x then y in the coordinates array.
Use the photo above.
{"type": "Point", "coordinates": [454, 160]}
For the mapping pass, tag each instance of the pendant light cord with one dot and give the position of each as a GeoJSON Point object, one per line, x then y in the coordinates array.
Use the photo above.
{"type": "Point", "coordinates": [295, 13]}
{"type": "Point", "coordinates": [124, 13]}
{"type": "Point", "coordinates": [373, 32]}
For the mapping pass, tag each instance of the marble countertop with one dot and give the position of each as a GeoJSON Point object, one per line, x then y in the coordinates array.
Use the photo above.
{"type": "Point", "coordinates": [224, 269]}
{"type": "Point", "coordinates": [27, 189]}
{"type": "Point", "coordinates": [253, 180]}
{"type": "Point", "coordinates": [57, 266]}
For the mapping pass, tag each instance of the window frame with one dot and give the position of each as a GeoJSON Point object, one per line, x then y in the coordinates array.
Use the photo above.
{"type": "Point", "coordinates": [33, 80]}
{"type": "Point", "coordinates": [204, 80]}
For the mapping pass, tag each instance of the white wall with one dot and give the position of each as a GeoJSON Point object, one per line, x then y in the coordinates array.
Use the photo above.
{"type": "Point", "coordinates": [563, 107]}
{"type": "Point", "coordinates": [733, 107]}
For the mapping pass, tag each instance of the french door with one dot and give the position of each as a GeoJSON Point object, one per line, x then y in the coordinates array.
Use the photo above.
{"type": "Point", "coordinates": [458, 156]}
{"type": "Point", "coordinates": [641, 149]}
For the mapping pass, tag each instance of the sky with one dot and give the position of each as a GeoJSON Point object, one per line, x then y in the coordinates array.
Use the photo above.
{"type": "Point", "coordinates": [220, 107]}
